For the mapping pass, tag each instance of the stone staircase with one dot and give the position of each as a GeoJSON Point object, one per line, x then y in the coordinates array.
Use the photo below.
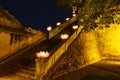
{"type": "Point", "coordinates": [17, 70]}
{"type": "Point", "coordinates": [27, 73]}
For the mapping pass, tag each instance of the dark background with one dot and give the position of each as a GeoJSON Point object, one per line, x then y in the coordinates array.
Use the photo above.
{"type": "Point", "coordinates": [37, 14]}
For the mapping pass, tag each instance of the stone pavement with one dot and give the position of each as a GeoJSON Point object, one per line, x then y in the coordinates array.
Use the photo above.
{"type": "Point", "coordinates": [106, 69]}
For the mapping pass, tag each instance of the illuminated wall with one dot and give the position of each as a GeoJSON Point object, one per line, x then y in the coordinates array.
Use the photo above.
{"type": "Point", "coordinates": [108, 40]}
{"type": "Point", "coordinates": [88, 47]}
{"type": "Point", "coordinates": [4, 44]}
{"type": "Point", "coordinates": [6, 49]}
{"type": "Point", "coordinates": [103, 41]}
{"type": "Point", "coordinates": [84, 49]}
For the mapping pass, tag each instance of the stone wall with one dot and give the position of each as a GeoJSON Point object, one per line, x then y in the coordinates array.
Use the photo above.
{"type": "Point", "coordinates": [87, 47]}
{"type": "Point", "coordinates": [7, 49]}
{"type": "Point", "coordinates": [4, 44]}
{"type": "Point", "coordinates": [108, 40]}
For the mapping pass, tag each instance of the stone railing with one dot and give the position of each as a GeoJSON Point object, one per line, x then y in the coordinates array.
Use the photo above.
{"type": "Point", "coordinates": [43, 65]}
{"type": "Point", "coordinates": [60, 27]}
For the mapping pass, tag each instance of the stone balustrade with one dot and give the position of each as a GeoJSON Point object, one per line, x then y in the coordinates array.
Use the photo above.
{"type": "Point", "coordinates": [43, 65]}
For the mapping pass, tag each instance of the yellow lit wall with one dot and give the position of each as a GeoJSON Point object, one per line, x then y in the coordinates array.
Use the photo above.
{"type": "Point", "coordinates": [108, 40]}
{"type": "Point", "coordinates": [88, 48]}
{"type": "Point", "coordinates": [6, 49]}
{"type": "Point", "coordinates": [4, 44]}
{"type": "Point", "coordinates": [85, 49]}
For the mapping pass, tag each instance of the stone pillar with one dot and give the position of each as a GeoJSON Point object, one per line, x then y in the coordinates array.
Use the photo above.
{"type": "Point", "coordinates": [40, 69]}
{"type": "Point", "coordinates": [48, 35]}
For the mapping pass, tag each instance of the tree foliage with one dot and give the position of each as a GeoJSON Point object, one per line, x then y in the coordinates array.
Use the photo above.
{"type": "Point", "coordinates": [93, 12]}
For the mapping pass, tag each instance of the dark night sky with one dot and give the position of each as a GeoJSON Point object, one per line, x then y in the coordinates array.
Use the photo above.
{"type": "Point", "coordinates": [37, 14]}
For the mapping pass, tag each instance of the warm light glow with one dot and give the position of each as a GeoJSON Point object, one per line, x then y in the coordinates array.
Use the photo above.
{"type": "Point", "coordinates": [67, 19]}
{"type": "Point", "coordinates": [49, 28]}
{"type": "Point", "coordinates": [42, 54]}
{"type": "Point", "coordinates": [74, 15]}
{"type": "Point", "coordinates": [29, 28]}
{"type": "Point", "coordinates": [64, 36]}
{"type": "Point", "coordinates": [74, 9]}
{"type": "Point", "coordinates": [75, 27]}
{"type": "Point", "coordinates": [82, 20]}
{"type": "Point", "coordinates": [86, 15]}
{"type": "Point", "coordinates": [58, 23]}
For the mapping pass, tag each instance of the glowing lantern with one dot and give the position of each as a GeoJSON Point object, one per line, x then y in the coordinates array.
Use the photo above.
{"type": "Point", "coordinates": [75, 27]}
{"type": "Point", "coordinates": [64, 36]}
{"type": "Point", "coordinates": [58, 23]}
{"type": "Point", "coordinates": [67, 19]}
{"type": "Point", "coordinates": [82, 20]}
{"type": "Point", "coordinates": [74, 9]}
{"type": "Point", "coordinates": [49, 28]}
{"type": "Point", "coordinates": [42, 54]}
{"type": "Point", "coordinates": [74, 15]}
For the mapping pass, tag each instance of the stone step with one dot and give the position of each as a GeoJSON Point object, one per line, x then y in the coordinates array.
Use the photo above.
{"type": "Point", "coordinates": [30, 72]}
{"type": "Point", "coordinates": [20, 71]}
{"type": "Point", "coordinates": [114, 58]}
{"type": "Point", "coordinates": [25, 75]}
{"type": "Point", "coordinates": [29, 68]}
{"type": "Point", "coordinates": [16, 77]}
